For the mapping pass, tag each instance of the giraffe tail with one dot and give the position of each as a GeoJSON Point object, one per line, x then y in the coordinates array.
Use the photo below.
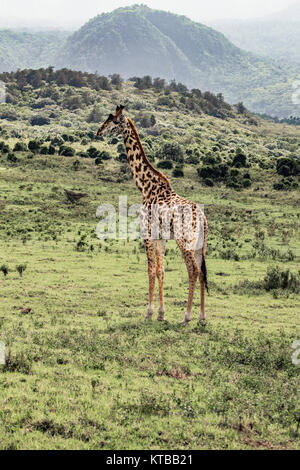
{"type": "Point", "coordinates": [204, 273]}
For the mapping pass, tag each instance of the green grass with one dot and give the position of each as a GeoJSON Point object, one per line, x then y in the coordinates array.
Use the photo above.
{"type": "Point", "coordinates": [86, 371]}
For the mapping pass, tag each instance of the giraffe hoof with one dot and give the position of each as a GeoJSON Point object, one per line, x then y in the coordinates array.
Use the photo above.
{"type": "Point", "coordinates": [186, 321]}
{"type": "Point", "coordinates": [202, 321]}
{"type": "Point", "coordinates": [160, 318]}
{"type": "Point", "coordinates": [148, 316]}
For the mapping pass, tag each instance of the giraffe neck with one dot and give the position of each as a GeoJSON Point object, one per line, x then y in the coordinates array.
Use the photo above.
{"type": "Point", "coordinates": [152, 183]}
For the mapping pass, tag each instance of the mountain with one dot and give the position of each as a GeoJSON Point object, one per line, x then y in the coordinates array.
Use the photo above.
{"type": "Point", "coordinates": [20, 49]}
{"type": "Point", "coordinates": [276, 36]}
{"type": "Point", "coordinates": [137, 40]}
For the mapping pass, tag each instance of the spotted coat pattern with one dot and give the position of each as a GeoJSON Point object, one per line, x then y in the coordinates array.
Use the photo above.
{"type": "Point", "coordinates": [156, 190]}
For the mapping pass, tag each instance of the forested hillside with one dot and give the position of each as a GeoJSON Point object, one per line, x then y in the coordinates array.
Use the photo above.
{"type": "Point", "coordinates": [138, 41]}
{"type": "Point", "coordinates": [28, 50]}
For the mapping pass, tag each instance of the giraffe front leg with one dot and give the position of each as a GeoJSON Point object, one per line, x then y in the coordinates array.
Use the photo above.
{"type": "Point", "coordinates": [151, 274]}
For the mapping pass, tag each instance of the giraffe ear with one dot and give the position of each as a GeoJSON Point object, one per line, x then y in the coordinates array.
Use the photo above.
{"type": "Point", "coordinates": [119, 109]}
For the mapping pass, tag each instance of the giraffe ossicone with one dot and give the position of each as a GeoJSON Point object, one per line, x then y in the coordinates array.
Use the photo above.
{"type": "Point", "coordinates": [186, 221]}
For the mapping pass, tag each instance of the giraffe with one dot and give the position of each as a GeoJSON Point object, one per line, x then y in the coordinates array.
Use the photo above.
{"type": "Point", "coordinates": [188, 226]}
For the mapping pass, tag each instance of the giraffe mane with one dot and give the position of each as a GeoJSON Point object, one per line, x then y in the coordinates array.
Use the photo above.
{"type": "Point", "coordinates": [159, 173]}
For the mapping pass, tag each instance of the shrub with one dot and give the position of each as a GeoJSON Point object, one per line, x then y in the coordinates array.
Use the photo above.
{"type": "Point", "coordinates": [286, 184]}
{"type": "Point", "coordinates": [21, 268]}
{"type": "Point", "coordinates": [76, 165]}
{"type": "Point", "coordinates": [98, 161]}
{"type": "Point", "coordinates": [39, 121]}
{"type": "Point", "coordinates": [208, 182]}
{"type": "Point", "coordinates": [4, 269]}
{"type": "Point", "coordinates": [34, 146]}
{"type": "Point", "coordinates": [178, 172]}
{"type": "Point", "coordinates": [66, 151]}
{"type": "Point", "coordinates": [171, 151]}
{"type": "Point", "coordinates": [206, 172]}
{"type": "Point", "coordinates": [93, 152]}
{"type": "Point", "coordinates": [51, 150]}
{"type": "Point", "coordinates": [192, 160]}
{"type": "Point", "coordinates": [240, 159]}
{"type": "Point", "coordinates": [122, 157]}
{"type": "Point", "coordinates": [4, 147]}
{"type": "Point", "coordinates": [9, 115]}
{"type": "Point", "coordinates": [277, 279]}
{"type": "Point", "coordinates": [12, 158]}
{"type": "Point", "coordinates": [165, 165]}
{"type": "Point", "coordinates": [44, 150]}
{"type": "Point", "coordinates": [106, 156]}
{"type": "Point", "coordinates": [20, 147]}
{"type": "Point", "coordinates": [288, 166]}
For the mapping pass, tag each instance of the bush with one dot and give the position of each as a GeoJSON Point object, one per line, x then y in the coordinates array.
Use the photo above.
{"type": "Point", "coordinates": [165, 165]}
{"type": "Point", "coordinates": [192, 160]}
{"type": "Point", "coordinates": [171, 151]}
{"type": "Point", "coordinates": [20, 147]}
{"type": "Point", "coordinates": [4, 147]}
{"type": "Point", "coordinates": [34, 146]}
{"type": "Point", "coordinates": [240, 159]}
{"type": "Point", "coordinates": [178, 172]}
{"type": "Point", "coordinates": [4, 269]}
{"type": "Point", "coordinates": [106, 156]}
{"type": "Point", "coordinates": [277, 279]}
{"type": "Point", "coordinates": [12, 158]}
{"type": "Point", "coordinates": [206, 172]}
{"type": "Point", "coordinates": [122, 157]}
{"type": "Point", "coordinates": [98, 161]}
{"type": "Point", "coordinates": [51, 150]}
{"type": "Point", "coordinates": [288, 166]}
{"type": "Point", "coordinates": [21, 268]}
{"type": "Point", "coordinates": [286, 184]}
{"type": "Point", "coordinates": [93, 152]}
{"type": "Point", "coordinates": [39, 121]}
{"type": "Point", "coordinates": [66, 151]}
{"type": "Point", "coordinates": [208, 182]}
{"type": "Point", "coordinates": [44, 150]}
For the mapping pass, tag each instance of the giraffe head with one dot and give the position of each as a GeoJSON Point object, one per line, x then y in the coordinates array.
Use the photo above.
{"type": "Point", "coordinates": [114, 123]}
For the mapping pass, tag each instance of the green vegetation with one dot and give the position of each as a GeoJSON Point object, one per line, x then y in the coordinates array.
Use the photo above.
{"type": "Point", "coordinates": [84, 369]}
{"type": "Point", "coordinates": [28, 49]}
{"type": "Point", "coordinates": [138, 41]}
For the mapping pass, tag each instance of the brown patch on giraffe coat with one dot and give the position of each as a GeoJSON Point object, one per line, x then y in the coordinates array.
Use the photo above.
{"type": "Point", "coordinates": [143, 152]}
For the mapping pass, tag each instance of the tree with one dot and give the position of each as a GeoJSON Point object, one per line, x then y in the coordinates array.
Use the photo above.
{"type": "Point", "coordinates": [171, 151]}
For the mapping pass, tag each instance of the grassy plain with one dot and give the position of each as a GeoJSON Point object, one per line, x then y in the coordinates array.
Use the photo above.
{"type": "Point", "coordinates": [86, 371]}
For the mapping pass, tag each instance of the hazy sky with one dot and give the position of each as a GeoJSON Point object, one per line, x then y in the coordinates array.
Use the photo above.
{"type": "Point", "coordinates": [76, 12]}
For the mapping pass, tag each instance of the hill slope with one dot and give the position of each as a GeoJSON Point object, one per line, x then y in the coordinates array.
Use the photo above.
{"type": "Point", "coordinates": [276, 36]}
{"type": "Point", "coordinates": [28, 50]}
{"type": "Point", "coordinates": [138, 40]}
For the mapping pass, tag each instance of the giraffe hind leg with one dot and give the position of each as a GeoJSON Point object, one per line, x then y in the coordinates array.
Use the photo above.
{"type": "Point", "coordinates": [199, 258]}
{"type": "Point", "coordinates": [160, 256]}
{"type": "Point", "coordinates": [150, 251]}
{"type": "Point", "coordinates": [193, 273]}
